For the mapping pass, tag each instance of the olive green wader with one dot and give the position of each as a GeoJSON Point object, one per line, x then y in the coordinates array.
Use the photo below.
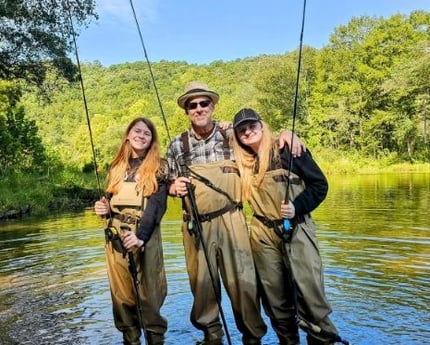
{"type": "Point", "coordinates": [126, 207]}
{"type": "Point", "coordinates": [278, 262]}
{"type": "Point", "coordinates": [226, 239]}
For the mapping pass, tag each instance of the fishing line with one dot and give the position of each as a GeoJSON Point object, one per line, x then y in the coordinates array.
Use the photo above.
{"type": "Point", "coordinates": [304, 324]}
{"type": "Point", "coordinates": [132, 267]}
{"type": "Point", "coordinates": [150, 70]}
{"type": "Point", "coordinates": [189, 187]}
{"type": "Point", "coordinates": [84, 98]}
{"type": "Point", "coordinates": [287, 223]}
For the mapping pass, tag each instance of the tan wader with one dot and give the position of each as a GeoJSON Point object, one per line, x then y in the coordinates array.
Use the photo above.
{"type": "Point", "coordinates": [279, 263]}
{"type": "Point", "coordinates": [127, 205]}
{"type": "Point", "coordinates": [226, 240]}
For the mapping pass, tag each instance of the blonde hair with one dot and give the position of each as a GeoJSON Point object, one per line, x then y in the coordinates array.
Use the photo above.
{"type": "Point", "coordinates": [253, 165]}
{"type": "Point", "coordinates": [150, 168]}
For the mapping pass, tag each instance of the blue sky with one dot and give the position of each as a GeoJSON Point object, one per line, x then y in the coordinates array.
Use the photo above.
{"type": "Point", "coordinates": [204, 31]}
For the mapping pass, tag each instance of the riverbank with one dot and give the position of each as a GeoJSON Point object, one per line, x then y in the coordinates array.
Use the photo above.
{"type": "Point", "coordinates": [354, 163]}
{"type": "Point", "coordinates": [25, 194]}
{"type": "Point", "coordinates": [62, 199]}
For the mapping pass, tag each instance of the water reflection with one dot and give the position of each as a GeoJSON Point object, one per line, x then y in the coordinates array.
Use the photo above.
{"type": "Point", "coordinates": [374, 238]}
{"type": "Point", "coordinates": [376, 227]}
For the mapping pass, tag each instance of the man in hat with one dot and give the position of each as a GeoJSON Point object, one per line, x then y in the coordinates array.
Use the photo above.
{"type": "Point", "coordinates": [202, 157]}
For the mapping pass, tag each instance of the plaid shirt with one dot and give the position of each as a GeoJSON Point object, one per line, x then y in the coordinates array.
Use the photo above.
{"type": "Point", "coordinates": [207, 150]}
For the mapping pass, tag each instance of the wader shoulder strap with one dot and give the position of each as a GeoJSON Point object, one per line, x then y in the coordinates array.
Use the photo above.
{"type": "Point", "coordinates": [186, 148]}
{"type": "Point", "coordinates": [225, 144]}
{"type": "Point", "coordinates": [275, 163]}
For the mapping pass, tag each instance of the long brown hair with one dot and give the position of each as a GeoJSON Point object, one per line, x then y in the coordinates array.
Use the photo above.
{"type": "Point", "coordinates": [253, 165]}
{"type": "Point", "coordinates": [148, 171]}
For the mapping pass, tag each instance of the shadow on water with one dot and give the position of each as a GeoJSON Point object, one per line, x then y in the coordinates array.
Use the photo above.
{"type": "Point", "coordinates": [374, 240]}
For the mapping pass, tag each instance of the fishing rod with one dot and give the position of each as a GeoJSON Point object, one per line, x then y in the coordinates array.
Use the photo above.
{"type": "Point", "coordinates": [287, 224]}
{"type": "Point", "coordinates": [132, 267]}
{"type": "Point", "coordinates": [190, 190]}
{"type": "Point", "coordinates": [84, 98]}
{"type": "Point", "coordinates": [303, 324]}
{"type": "Point", "coordinates": [136, 283]}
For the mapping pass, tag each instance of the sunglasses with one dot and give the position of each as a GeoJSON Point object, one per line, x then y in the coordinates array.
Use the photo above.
{"type": "Point", "coordinates": [251, 126]}
{"type": "Point", "coordinates": [203, 104]}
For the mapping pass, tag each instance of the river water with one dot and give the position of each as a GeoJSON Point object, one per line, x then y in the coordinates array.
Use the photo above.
{"type": "Point", "coordinates": [374, 233]}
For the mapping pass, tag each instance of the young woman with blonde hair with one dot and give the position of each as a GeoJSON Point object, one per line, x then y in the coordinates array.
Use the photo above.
{"type": "Point", "coordinates": [136, 201]}
{"type": "Point", "coordinates": [289, 268]}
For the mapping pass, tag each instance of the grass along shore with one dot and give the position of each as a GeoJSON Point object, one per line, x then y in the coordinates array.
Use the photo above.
{"type": "Point", "coordinates": [72, 190]}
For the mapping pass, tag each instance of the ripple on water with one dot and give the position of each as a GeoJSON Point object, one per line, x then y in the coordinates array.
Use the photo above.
{"type": "Point", "coordinates": [54, 283]}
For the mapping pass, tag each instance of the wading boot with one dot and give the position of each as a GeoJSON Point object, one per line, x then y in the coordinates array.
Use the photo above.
{"type": "Point", "coordinates": [212, 337]}
{"type": "Point", "coordinates": [210, 342]}
{"type": "Point", "coordinates": [154, 338]}
{"type": "Point", "coordinates": [289, 337]}
{"type": "Point", "coordinates": [251, 341]}
{"type": "Point", "coordinates": [314, 341]}
{"type": "Point", "coordinates": [131, 336]}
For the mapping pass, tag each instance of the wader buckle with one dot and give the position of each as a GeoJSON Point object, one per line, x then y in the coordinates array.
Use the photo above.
{"type": "Point", "coordinates": [126, 218]}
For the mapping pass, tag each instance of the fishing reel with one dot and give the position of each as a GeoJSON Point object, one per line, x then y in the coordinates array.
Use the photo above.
{"type": "Point", "coordinates": [287, 230]}
{"type": "Point", "coordinates": [110, 233]}
{"type": "Point", "coordinates": [112, 236]}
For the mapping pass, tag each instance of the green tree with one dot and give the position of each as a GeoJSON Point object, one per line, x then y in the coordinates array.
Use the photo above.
{"type": "Point", "coordinates": [338, 101]}
{"type": "Point", "coordinates": [277, 83]}
{"type": "Point", "coordinates": [409, 89]}
{"type": "Point", "coordinates": [352, 97]}
{"type": "Point", "coordinates": [37, 35]}
{"type": "Point", "coordinates": [359, 102]}
{"type": "Point", "coordinates": [20, 145]}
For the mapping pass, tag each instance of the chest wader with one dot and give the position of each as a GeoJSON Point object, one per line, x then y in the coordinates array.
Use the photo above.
{"type": "Point", "coordinates": [298, 258]}
{"type": "Point", "coordinates": [127, 208]}
{"type": "Point", "coordinates": [226, 239]}
{"type": "Point", "coordinates": [270, 256]}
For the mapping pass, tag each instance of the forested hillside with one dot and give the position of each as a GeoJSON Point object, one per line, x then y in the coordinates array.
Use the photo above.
{"type": "Point", "coordinates": [368, 90]}
{"type": "Point", "coordinates": [365, 94]}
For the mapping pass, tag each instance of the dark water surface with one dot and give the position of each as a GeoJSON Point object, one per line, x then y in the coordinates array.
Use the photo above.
{"type": "Point", "coordinates": [374, 233]}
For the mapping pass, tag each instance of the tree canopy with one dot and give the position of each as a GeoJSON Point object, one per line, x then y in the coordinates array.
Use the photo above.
{"type": "Point", "coordinates": [37, 35]}
{"type": "Point", "coordinates": [35, 40]}
{"type": "Point", "coordinates": [367, 93]}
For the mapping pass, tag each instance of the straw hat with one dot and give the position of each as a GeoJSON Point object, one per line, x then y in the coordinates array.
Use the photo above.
{"type": "Point", "coordinates": [194, 89]}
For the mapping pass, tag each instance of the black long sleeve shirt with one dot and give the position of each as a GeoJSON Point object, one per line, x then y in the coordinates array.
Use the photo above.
{"type": "Point", "coordinates": [315, 181]}
{"type": "Point", "coordinates": [155, 208]}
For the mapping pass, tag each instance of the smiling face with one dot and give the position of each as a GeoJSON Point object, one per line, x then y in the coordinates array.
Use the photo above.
{"type": "Point", "coordinates": [140, 138]}
{"type": "Point", "coordinates": [250, 134]}
{"type": "Point", "coordinates": [199, 110]}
